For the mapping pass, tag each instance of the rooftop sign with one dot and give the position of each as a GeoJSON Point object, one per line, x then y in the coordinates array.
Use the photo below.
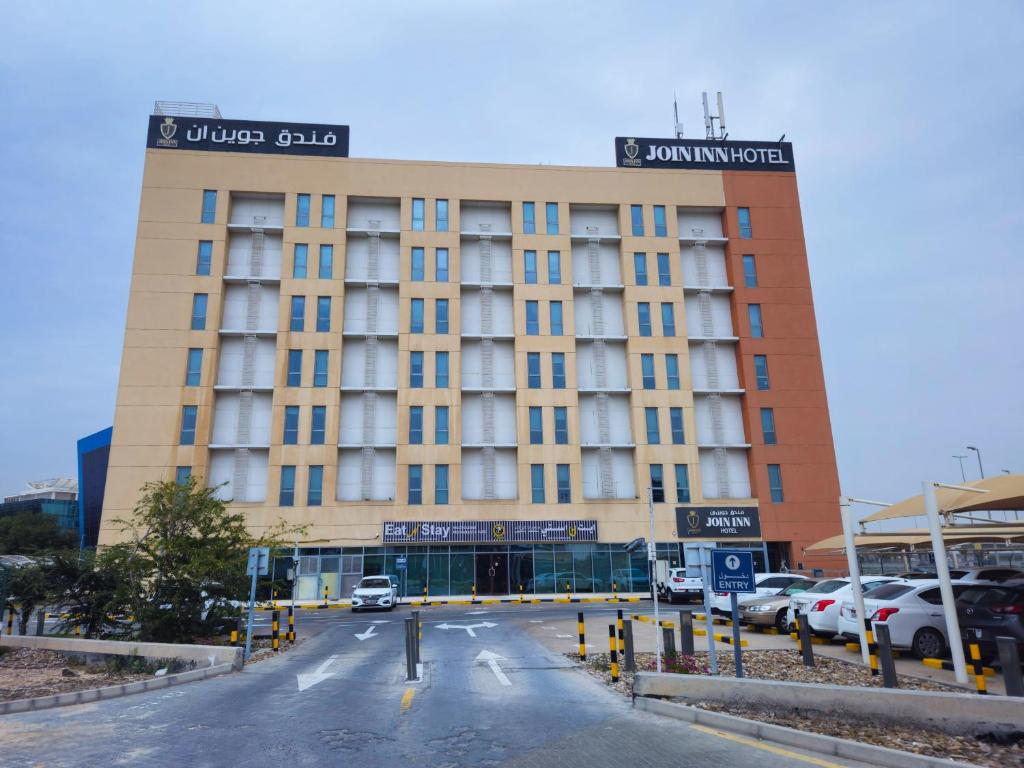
{"type": "Point", "coordinates": [705, 155]}
{"type": "Point", "coordinates": [216, 135]}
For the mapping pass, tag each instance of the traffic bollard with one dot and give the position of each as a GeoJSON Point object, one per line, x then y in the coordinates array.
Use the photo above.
{"type": "Point", "coordinates": [582, 631]}
{"type": "Point", "coordinates": [630, 657]}
{"type": "Point", "coordinates": [1009, 658]}
{"type": "Point", "coordinates": [410, 649]}
{"type": "Point", "coordinates": [417, 635]}
{"type": "Point", "coordinates": [686, 633]}
{"type": "Point", "coordinates": [275, 631]}
{"type": "Point", "coordinates": [291, 624]}
{"type": "Point", "coordinates": [869, 634]}
{"type": "Point", "coordinates": [520, 593]}
{"type": "Point", "coordinates": [568, 591]}
{"type": "Point", "coordinates": [615, 590]}
{"type": "Point", "coordinates": [10, 620]}
{"type": "Point", "coordinates": [40, 622]}
{"type": "Point", "coordinates": [803, 631]}
{"type": "Point", "coordinates": [426, 594]}
{"type": "Point", "coordinates": [618, 630]}
{"type": "Point", "coordinates": [668, 636]}
{"type": "Point", "coordinates": [977, 668]}
{"type": "Point", "coordinates": [888, 664]}
{"type": "Point", "coordinates": [612, 645]}
{"type": "Point", "coordinates": [474, 592]}
{"type": "Point", "coordinates": [234, 638]}
{"type": "Point", "coordinates": [325, 595]}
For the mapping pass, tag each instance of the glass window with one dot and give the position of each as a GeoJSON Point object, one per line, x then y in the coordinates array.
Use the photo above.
{"type": "Point", "coordinates": [561, 425]}
{"type": "Point", "coordinates": [323, 313]}
{"type": "Point", "coordinates": [291, 425]}
{"type": "Point", "coordinates": [441, 316]}
{"type": "Point", "coordinates": [555, 311]}
{"type": "Point", "coordinates": [182, 474]}
{"type": "Point", "coordinates": [416, 370]}
{"type": "Point", "coordinates": [441, 215]}
{"type": "Point", "coordinates": [209, 206]}
{"type": "Point", "coordinates": [647, 371]}
{"type": "Point", "coordinates": [189, 413]}
{"type": "Point", "coordinates": [672, 369]}
{"type": "Point", "coordinates": [657, 484]}
{"type": "Point", "coordinates": [554, 267]}
{"type": "Point", "coordinates": [302, 211]}
{"type": "Point", "coordinates": [326, 271]}
{"type": "Point", "coordinates": [529, 219]}
{"type": "Point", "coordinates": [294, 368]}
{"type": "Point", "coordinates": [756, 326]}
{"type": "Point", "coordinates": [744, 217]}
{"type": "Point", "coordinates": [536, 425]}
{"type": "Point", "coordinates": [441, 478]}
{"type": "Point", "coordinates": [204, 258]}
{"type": "Point", "coordinates": [440, 370]}
{"type": "Point", "coordinates": [193, 367]}
{"type": "Point", "coordinates": [320, 358]}
{"type": "Point", "coordinates": [301, 256]}
{"type": "Point", "coordinates": [416, 316]}
{"type": "Point", "coordinates": [327, 212]}
{"type": "Point", "coordinates": [533, 370]}
{"type": "Point", "coordinates": [418, 270]}
{"type": "Point", "coordinates": [768, 426]}
{"type": "Point", "coordinates": [551, 210]}
{"type": "Point", "coordinates": [441, 265]}
{"type": "Point", "coordinates": [530, 265]}
{"type": "Point", "coordinates": [532, 326]}
{"type": "Point", "coordinates": [676, 419]}
{"type": "Point", "coordinates": [298, 314]}
{"type": "Point", "coordinates": [660, 229]}
{"type": "Point", "coordinates": [775, 483]}
{"type": "Point", "coordinates": [441, 425]}
{"type": "Point", "coordinates": [682, 484]}
{"type": "Point", "coordinates": [318, 425]}
{"type": "Point", "coordinates": [640, 268]}
{"type": "Point", "coordinates": [668, 319]}
{"type": "Point", "coordinates": [199, 301]}
{"type": "Point", "coordinates": [558, 370]}
{"type": "Point", "coordinates": [749, 271]}
{"type": "Point", "coordinates": [416, 425]}
{"type": "Point", "coordinates": [651, 420]}
{"type": "Point", "coordinates": [761, 371]}
{"type": "Point", "coordinates": [314, 492]}
{"type": "Point", "coordinates": [417, 214]}
{"type": "Point", "coordinates": [643, 311]}
{"type": "Point", "coordinates": [537, 483]}
{"type": "Point", "coordinates": [664, 270]}
{"type": "Point", "coordinates": [564, 489]}
{"type": "Point", "coordinates": [415, 484]}
{"type": "Point", "coordinates": [287, 496]}
{"type": "Point", "coordinates": [636, 217]}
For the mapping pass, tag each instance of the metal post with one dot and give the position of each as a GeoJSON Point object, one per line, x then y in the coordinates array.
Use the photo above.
{"type": "Point", "coordinates": [853, 564]}
{"type": "Point", "coordinates": [416, 636]}
{"type": "Point", "coordinates": [40, 621]}
{"type": "Point", "coordinates": [803, 631]}
{"type": "Point", "coordinates": [410, 651]}
{"type": "Point", "coordinates": [252, 609]}
{"type": "Point", "coordinates": [619, 630]}
{"type": "Point", "coordinates": [615, 590]}
{"type": "Point", "coordinates": [686, 633]}
{"type": "Point", "coordinates": [652, 560]}
{"type": "Point", "coordinates": [613, 653]}
{"type": "Point", "coordinates": [669, 636]}
{"type": "Point", "coordinates": [945, 587]}
{"type": "Point", "coordinates": [581, 627]}
{"type": "Point", "coordinates": [705, 572]}
{"type": "Point", "coordinates": [275, 631]}
{"type": "Point", "coordinates": [1009, 658]}
{"type": "Point", "coordinates": [737, 652]}
{"type": "Point", "coordinates": [295, 581]}
{"type": "Point", "coordinates": [889, 679]}
{"type": "Point", "coordinates": [630, 657]}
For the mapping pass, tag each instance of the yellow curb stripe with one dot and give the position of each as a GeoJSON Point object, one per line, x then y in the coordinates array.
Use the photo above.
{"type": "Point", "coordinates": [758, 744]}
{"type": "Point", "coordinates": [407, 699]}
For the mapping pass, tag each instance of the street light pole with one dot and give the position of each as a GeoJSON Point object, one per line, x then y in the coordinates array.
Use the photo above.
{"type": "Point", "coordinates": [981, 470]}
{"type": "Point", "coordinates": [963, 475]}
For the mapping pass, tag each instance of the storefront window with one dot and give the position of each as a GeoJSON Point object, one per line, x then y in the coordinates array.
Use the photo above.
{"type": "Point", "coordinates": [462, 571]}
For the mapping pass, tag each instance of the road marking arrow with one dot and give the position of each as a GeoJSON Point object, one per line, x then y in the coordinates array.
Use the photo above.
{"type": "Point", "coordinates": [368, 633]}
{"type": "Point", "coordinates": [468, 627]}
{"type": "Point", "coordinates": [310, 679]}
{"type": "Point", "coordinates": [491, 660]}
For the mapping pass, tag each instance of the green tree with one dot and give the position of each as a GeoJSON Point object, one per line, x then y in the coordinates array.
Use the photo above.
{"type": "Point", "coordinates": [32, 532]}
{"type": "Point", "coordinates": [29, 589]}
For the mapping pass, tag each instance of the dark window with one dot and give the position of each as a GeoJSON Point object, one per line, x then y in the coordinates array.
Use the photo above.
{"type": "Point", "coordinates": [761, 371]}
{"type": "Point", "coordinates": [287, 495]}
{"type": "Point", "coordinates": [315, 490]}
{"type": "Point", "coordinates": [558, 370]}
{"type": "Point", "coordinates": [532, 325]}
{"type": "Point", "coordinates": [323, 313]}
{"type": "Point", "coordinates": [749, 271]}
{"type": "Point", "coordinates": [199, 301]}
{"type": "Point", "coordinates": [537, 483]}
{"type": "Point", "coordinates": [536, 425]}
{"type": "Point", "coordinates": [441, 480]}
{"type": "Point", "coordinates": [441, 370]}
{"type": "Point", "coordinates": [298, 314]}
{"type": "Point", "coordinates": [189, 414]}
{"type": "Point", "coordinates": [657, 484]}
{"type": "Point", "coordinates": [564, 488]}
{"type": "Point", "coordinates": [318, 425]}
{"type": "Point", "coordinates": [682, 484]}
{"type": "Point", "coordinates": [209, 206]}
{"type": "Point", "coordinates": [294, 368]}
{"type": "Point", "coordinates": [533, 370]}
{"type": "Point", "coordinates": [302, 211]}
{"type": "Point", "coordinates": [640, 268]}
{"type": "Point", "coordinates": [647, 371]}
{"type": "Point", "coordinates": [416, 425]}
{"type": "Point", "coordinates": [676, 418]}
{"type": "Point", "coordinates": [775, 483]}
{"type": "Point", "coordinates": [320, 359]}
{"type": "Point", "coordinates": [768, 426]}
{"type": "Point", "coordinates": [416, 370]}
{"type": "Point", "coordinates": [418, 269]}
{"type": "Point", "coordinates": [204, 258]}
{"type": "Point", "coordinates": [415, 484]}
{"type": "Point", "coordinates": [561, 425]}
{"type": "Point", "coordinates": [441, 425]}
{"type": "Point", "coordinates": [299, 260]}
{"type": "Point", "coordinates": [291, 425]}
{"type": "Point", "coordinates": [416, 316]}
{"type": "Point", "coordinates": [651, 420]}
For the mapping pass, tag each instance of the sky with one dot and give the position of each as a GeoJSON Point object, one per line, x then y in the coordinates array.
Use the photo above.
{"type": "Point", "coordinates": [905, 120]}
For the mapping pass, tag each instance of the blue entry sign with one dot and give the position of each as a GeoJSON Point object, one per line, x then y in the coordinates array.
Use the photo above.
{"type": "Point", "coordinates": [400, 563]}
{"type": "Point", "coordinates": [732, 570]}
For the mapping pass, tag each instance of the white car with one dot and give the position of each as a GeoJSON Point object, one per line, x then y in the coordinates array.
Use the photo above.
{"type": "Point", "coordinates": [680, 587]}
{"type": "Point", "coordinates": [989, 575]}
{"type": "Point", "coordinates": [375, 592]}
{"type": "Point", "coordinates": [820, 604]}
{"type": "Point", "coordinates": [913, 612]}
{"type": "Point", "coordinates": [765, 583]}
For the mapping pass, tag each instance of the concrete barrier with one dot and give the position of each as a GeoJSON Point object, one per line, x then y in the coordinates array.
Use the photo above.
{"type": "Point", "coordinates": [956, 713]}
{"type": "Point", "coordinates": [196, 655]}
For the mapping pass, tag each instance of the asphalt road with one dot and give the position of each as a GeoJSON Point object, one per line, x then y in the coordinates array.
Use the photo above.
{"type": "Point", "coordinates": [522, 704]}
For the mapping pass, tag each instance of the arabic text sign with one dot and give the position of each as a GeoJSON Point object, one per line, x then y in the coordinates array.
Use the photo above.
{"type": "Point", "coordinates": [211, 135]}
{"type": "Point", "coordinates": [732, 570]}
{"type": "Point", "coordinates": [718, 523]}
{"type": "Point", "coordinates": [491, 531]}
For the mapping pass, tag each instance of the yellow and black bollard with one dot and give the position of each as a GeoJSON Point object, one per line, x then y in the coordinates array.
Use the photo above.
{"type": "Point", "coordinates": [568, 591]}
{"type": "Point", "coordinates": [426, 595]}
{"type": "Point", "coordinates": [474, 592]}
{"type": "Point", "coordinates": [325, 595]}
{"type": "Point", "coordinates": [619, 626]}
{"type": "Point", "coordinates": [615, 590]}
{"type": "Point", "coordinates": [275, 640]}
{"type": "Point", "coordinates": [234, 638]}
{"type": "Point", "coordinates": [869, 635]}
{"type": "Point", "coordinates": [978, 669]}
{"type": "Point", "coordinates": [612, 648]}
{"type": "Point", "coordinates": [583, 640]}
{"type": "Point", "coordinates": [291, 624]}
{"type": "Point", "coordinates": [520, 593]}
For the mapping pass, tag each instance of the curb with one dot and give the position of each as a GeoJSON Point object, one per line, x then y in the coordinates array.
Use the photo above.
{"type": "Point", "coordinates": [814, 742]}
{"type": "Point", "coordinates": [110, 692]}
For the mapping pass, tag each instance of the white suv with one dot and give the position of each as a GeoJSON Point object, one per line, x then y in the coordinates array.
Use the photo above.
{"type": "Point", "coordinates": [375, 592]}
{"type": "Point", "coordinates": [679, 587]}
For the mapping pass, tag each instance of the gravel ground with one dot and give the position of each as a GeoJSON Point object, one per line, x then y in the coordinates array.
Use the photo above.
{"type": "Point", "coordinates": [26, 673]}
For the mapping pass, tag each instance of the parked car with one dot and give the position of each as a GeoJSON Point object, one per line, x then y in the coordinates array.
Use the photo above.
{"type": "Point", "coordinates": [988, 612]}
{"type": "Point", "coordinates": [769, 610]}
{"type": "Point", "coordinates": [679, 587]}
{"type": "Point", "coordinates": [912, 610]}
{"type": "Point", "coordinates": [820, 604]}
{"type": "Point", "coordinates": [765, 584]}
{"type": "Point", "coordinates": [375, 592]}
{"type": "Point", "coordinates": [990, 575]}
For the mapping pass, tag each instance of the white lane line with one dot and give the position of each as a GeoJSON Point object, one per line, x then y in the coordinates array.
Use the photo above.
{"type": "Point", "coordinates": [309, 679]}
{"type": "Point", "coordinates": [491, 660]}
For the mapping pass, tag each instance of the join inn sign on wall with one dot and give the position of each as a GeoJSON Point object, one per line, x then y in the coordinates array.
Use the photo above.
{"type": "Point", "coordinates": [488, 531]}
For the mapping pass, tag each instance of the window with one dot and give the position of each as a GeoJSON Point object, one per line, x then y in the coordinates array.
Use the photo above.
{"type": "Point", "coordinates": [298, 315]}
{"type": "Point", "coordinates": [441, 425]}
{"type": "Point", "coordinates": [441, 481]}
{"type": "Point", "coordinates": [326, 271]}
{"type": "Point", "coordinates": [199, 311]}
{"type": "Point", "coordinates": [417, 214]}
{"type": "Point", "coordinates": [643, 311]}
{"type": "Point", "coordinates": [775, 483]}
{"type": "Point", "coordinates": [555, 312]}
{"type": "Point", "coordinates": [320, 357]}
{"type": "Point", "coordinates": [668, 319]}
{"type": "Point", "coordinates": [441, 215]}
{"type": "Point", "coordinates": [532, 327]}
{"type": "Point", "coordinates": [554, 267]}
{"type": "Point", "coordinates": [664, 271]}
{"type": "Point", "coordinates": [558, 370]}
{"type": "Point", "coordinates": [647, 371]}
{"type": "Point", "coordinates": [761, 371]}
{"type": "Point", "coordinates": [529, 219]}
{"type": "Point", "coordinates": [768, 426]}
{"type": "Point", "coordinates": [533, 370]}
{"type": "Point", "coordinates": [441, 265]}
{"type": "Point", "coordinates": [182, 475]}
{"type": "Point", "coordinates": [640, 268]}
{"type": "Point", "coordinates": [676, 419]}
{"type": "Point", "coordinates": [416, 316]}
{"type": "Point", "coordinates": [745, 230]}
{"type": "Point", "coordinates": [636, 216]}
{"type": "Point", "coordinates": [318, 425]}
{"type": "Point", "coordinates": [193, 367]}
{"type": "Point", "coordinates": [315, 489]}
{"type": "Point", "coordinates": [287, 495]}
{"type": "Point", "coordinates": [189, 414]}
{"type": "Point", "coordinates": [441, 370]}
{"type": "Point", "coordinates": [660, 229]}
{"type": "Point", "coordinates": [418, 271]}
{"type": "Point", "coordinates": [672, 370]}
{"type": "Point", "coordinates": [416, 425]}
{"type": "Point", "coordinates": [657, 484]}
{"type": "Point", "coordinates": [416, 370]}
{"type": "Point", "coordinates": [294, 375]}
{"type": "Point", "coordinates": [561, 425]}
{"type": "Point", "coordinates": [441, 316]}
{"type": "Point", "coordinates": [323, 313]}
{"type": "Point", "coordinates": [756, 326]}
{"type": "Point", "coordinates": [651, 420]}
{"type": "Point", "coordinates": [537, 483]}
{"type": "Point", "coordinates": [204, 258]}
{"type": "Point", "coordinates": [536, 425]}
{"type": "Point", "coordinates": [551, 211]}
{"type": "Point", "coordinates": [415, 483]}
{"type": "Point", "coordinates": [291, 425]}
{"type": "Point", "coordinates": [302, 210]}
{"type": "Point", "coordinates": [562, 478]}
{"type": "Point", "coordinates": [299, 261]}
{"type": "Point", "coordinates": [682, 484]}
{"type": "Point", "coordinates": [530, 265]}
{"type": "Point", "coordinates": [327, 212]}
{"type": "Point", "coordinates": [749, 271]}
{"type": "Point", "coordinates": [209, 206]}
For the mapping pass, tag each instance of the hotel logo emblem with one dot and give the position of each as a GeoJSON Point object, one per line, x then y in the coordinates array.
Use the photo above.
{"type": "Point", "coordinates": [693, 519]}
{"type": "Point", "coordinates": [167, 130]}
{"type": "Point", "coordinates": [631, 150]}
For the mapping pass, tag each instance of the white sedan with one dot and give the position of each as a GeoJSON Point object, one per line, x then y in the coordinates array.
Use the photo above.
{"type": "Point", "coordinates": [820, 604]}
{"type": "Point", "coordinates": [375, 592]}
{"type": "Point", "coordinates": [765, 583]}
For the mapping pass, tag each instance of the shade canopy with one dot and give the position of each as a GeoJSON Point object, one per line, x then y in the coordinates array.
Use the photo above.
{"type": "Point", "coordinates": [903, 540]}
{"type": "Point", "coordinates": [1003, 492]}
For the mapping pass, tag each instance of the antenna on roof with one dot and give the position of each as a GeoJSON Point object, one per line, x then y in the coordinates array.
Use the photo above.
{"type": "Point", "coordinates": [675, 110]}
{"type": "Point", "coordinates": [709, 119]}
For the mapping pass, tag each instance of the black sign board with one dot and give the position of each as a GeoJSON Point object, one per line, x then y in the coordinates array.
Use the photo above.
{"type": "Point", "coordinates": [488, 531]}
{"type": "Point", "coordinates": [704, 155]}
{"type": "Point", "coordinates": [213, 135]}
{"type": "Point", "coordinates": [718, 523]}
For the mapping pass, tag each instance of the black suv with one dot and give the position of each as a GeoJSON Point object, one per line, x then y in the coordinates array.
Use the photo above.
{"type": "Point", "coordinates": [990, 611]}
